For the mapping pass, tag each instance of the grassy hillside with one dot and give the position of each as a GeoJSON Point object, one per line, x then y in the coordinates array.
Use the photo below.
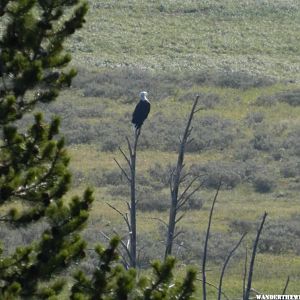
{"type": "Point", "coordinates": [256, 36]}
{"type": "Point", "coordinates": [242, 57]}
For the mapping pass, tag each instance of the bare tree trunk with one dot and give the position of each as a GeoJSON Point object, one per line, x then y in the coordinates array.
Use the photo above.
{"type": "Point", "coordinates": [254, 250]}
{"type": "Point", "coordinates": [286, 285]}
{"type": "Point", "coordinates": [203, 268]}
{"type": "Point", "coordinates": [226, 263]}
{"type": "Point", "coordinates": [133, 201]}
{"type": "Point", "coordinates": [176, 179]}
{"type": "Point", "coordinates": [245, 273]}
{"type": "Point", "coordinates": [130, 248]}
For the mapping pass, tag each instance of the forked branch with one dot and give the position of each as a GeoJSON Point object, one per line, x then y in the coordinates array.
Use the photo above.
{"type": "Point", "coordinates": [226, 263]}
{"type": "Point", "coordinates": [176, 179]}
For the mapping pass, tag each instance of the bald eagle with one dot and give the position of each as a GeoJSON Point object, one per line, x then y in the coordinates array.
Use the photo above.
{"type": "Point", "coordinates": [141, 111]}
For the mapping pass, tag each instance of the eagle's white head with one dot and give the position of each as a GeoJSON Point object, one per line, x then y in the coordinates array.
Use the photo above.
{"type": "Point", "coordinates": [143, 95]}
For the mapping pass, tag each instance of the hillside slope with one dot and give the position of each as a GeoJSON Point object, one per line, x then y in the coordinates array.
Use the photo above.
{"type": "Point", "coordinates": [242, 57]}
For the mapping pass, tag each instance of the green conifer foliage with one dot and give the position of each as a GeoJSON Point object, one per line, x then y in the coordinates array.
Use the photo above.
{"type": "Point", "coordinates": [34, 174]}
{"type": "Point", "coordinates": [110, 281]}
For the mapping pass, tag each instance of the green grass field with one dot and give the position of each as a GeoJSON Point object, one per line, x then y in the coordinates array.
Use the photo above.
{"type": "Point", "coordinates": [244, 55]}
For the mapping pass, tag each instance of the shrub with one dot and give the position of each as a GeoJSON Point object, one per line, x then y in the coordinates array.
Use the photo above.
{"type": "Point", "coordinates": [149, 201]}
{"type": "Point", "coordinates": [278, 237]}
{"type": "Point", "coordinates": [208, 101]}
{"type": "Point", "coordinates": [241, 80]}
{"type": "Point", "coordinates": [292, 142]}
{"type": "Point", "coordinates": [119, 190]}
{"type": "Point", "coordinates": [264, 183]}
{"type": "Point", "coordinates": [162, 133]}
{"type": "Point", "coordinates": [266, 101]}
{"type": "Point", "coordinates": [212, 132]}
{"type": "Point", "coordinates": [281, 236]}
{"type": "Point", "coordinates": [277, 154]}
{"type": "Point", "coordinates": [78, 177]}
{"type": "Point", "coordinates": [254, 118]}
{"type": "Point", "coordinates": [113, 177]}
{"type": "Point", "coordinates": [263, 140]}
{"type": "Point", "coordinates": [252, 168]}
{"type": "Point", "coordinates": [291, 97]}
{"type": "Point", "coordinates": [80, 133]}
{"type": "Point", "coordinates": [92, 111]}
{"type": "Point", "coordinates": [230, 174]}
{"type": "Point", "coordinates": [244, 153]}
{"type": "Point", "coordinates": [110, 145]}
{"type": "Point", "coordinates": [242, 226]}
{"type": "Point", "coordinates": [290, 169]}
{"type": "Point", "coordinates": [194, 203]}
{"type": "Point", "coordinates": [125, 84]}
{"type": "Point", "coordinates": [189, 246]}
{"type": "Point", "coordinates": [151, 248]}
{"type": "Point", "coordinates": [160, 173]}
{"type": "Point", "coordinates": [220, 244]}
{"type": "Point", "coordinates": [13, 238]}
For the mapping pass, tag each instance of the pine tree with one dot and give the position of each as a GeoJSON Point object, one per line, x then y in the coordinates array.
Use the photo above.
{"type": "Point", "coordinates": [34, 174]}
{"type": "Point", "coordinates": [110, 280]}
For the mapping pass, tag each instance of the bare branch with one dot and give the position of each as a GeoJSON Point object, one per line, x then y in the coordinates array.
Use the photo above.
{"type": "Point", "coordinates": [245, 273]}
{"type": "Point", "coordinates": [160, 220]}
{"type": "Point", "coordinates": [286, 285]}
{"type": "Point", "coordinates": [182, 178]}
{"type": "Point", "coordinates": [125, 262]}
{"type": "Point", "coordinates": [124, 246]}
{"type": "Point", "coordinates": [129, 146]}
{"type": "Point", "coordinates": [251, 267]}
{"type": "Point", "coordinates": [123, 171]}
{"type": "Point", "coordinates": [125, 156]}
{"type": "Point", "coordinates": [124, 216]}
{"type": "Point", "coordinates": [120, 253]}
{"type": "Point", "coordinates": [177, 234]}
{"type": "Point", "coordinates": [105, 236]}
{"type": "Point", "coordinates": [200, 108]}
{"type": "Point", "coordinates": [179, 218]}
{"type": "Point", "coordinates": [171, 184]}
{"type": "Point", "coordinates": [214, 286]}
{"type": "Point", "coordinates": [256, 292]}
{"type": "Point", "coordinates": [189, 141]}
{"type": "Point", "coordinates": [187, 188]}
{"type": "Point", "coordinates": [206, 243]}
{"type": "Point", "coordinates": [226, 263]}
{"type": "Point", "coordinates": [187, 197]}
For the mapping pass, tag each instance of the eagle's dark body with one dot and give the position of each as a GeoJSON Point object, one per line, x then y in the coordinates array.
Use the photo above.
{"type": "Point", "coordinates": [141, 112]}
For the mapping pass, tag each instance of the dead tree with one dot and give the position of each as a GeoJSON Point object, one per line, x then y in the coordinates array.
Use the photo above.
{"type": "Point", "coordinates": [130, 216]}
{"type": "Point", "coordinates": [286, 285]}
{"type": "Point", "coordinates": [203, 266]}
{"type": "Point", "coordinates": [254, 251]}
{"type": "Point", "coordinates": [176, 179]}
{"type": "Point", "coordinates": [226, 263]}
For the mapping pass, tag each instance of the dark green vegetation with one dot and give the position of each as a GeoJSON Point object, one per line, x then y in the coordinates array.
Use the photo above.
{"type": "Point", "coordinates": [242, 58]}
{"type": "Point", "coordinates": [33, 161]}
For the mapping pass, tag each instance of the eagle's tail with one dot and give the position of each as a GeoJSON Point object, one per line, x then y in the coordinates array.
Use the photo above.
{"type": "Point", "coordinates": [136, 129]}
